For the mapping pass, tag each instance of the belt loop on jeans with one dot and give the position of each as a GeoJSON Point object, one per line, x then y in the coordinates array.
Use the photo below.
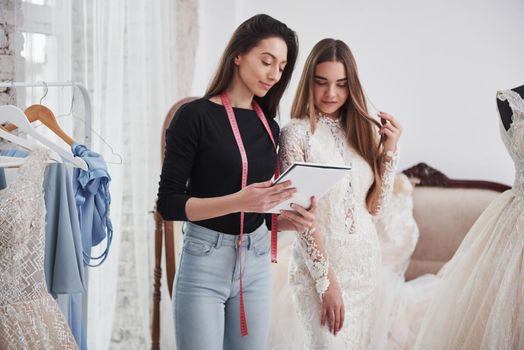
{"type": "Point", "coordinates": [218, 243]}
{"type": "Point", "coordinates": [249, 241]}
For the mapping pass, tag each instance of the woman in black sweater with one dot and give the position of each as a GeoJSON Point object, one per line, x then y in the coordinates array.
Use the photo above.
{"type": "Point", "coordinates": [220, 156]}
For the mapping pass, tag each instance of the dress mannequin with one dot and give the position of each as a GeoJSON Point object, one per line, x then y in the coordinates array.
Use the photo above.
{"type": "Point", "coordinates": [505, 110]}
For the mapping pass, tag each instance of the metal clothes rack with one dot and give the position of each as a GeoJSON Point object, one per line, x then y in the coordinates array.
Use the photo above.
{"type": "Point", "coordinates": [85, 95]}
{"type": "Point", "coordinates": [88, 118]}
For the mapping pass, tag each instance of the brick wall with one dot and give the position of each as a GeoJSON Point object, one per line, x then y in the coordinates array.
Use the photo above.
{"type": "Point", "coordinates": [10, 47]}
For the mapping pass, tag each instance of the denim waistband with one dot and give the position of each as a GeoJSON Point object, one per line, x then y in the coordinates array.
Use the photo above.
{"type": "Point", "coordinates": [219, 239]}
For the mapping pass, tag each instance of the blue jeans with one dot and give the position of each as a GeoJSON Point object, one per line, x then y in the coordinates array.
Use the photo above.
{"type": "Point", "coordinates": [206, 303]}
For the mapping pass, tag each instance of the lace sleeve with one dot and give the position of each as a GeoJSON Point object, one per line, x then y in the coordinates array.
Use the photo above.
{"type": "Point", "coordinates": [293, 141]}
{"type": "Point", "coordinates": [389, 164]}
{"type": "Point", "coordinates": [292, 146]}
{"type": "Point", "coordinates": [316, 260]}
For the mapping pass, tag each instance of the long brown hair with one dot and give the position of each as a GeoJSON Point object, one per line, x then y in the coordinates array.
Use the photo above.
{"type": "Point", "coordinates": [360, 128]}
{"type": "Point", "coordinates": [245, 37]}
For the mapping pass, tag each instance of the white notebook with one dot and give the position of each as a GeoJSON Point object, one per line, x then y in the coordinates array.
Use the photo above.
{"type": "Point", "coordinates": [309, 179]}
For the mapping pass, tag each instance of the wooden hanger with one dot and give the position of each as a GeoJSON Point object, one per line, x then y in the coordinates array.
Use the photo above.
{"type": "Point", "coordinates": [46, 117]}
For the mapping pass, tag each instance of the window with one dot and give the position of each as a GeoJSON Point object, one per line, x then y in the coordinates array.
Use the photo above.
{"type": "Point", "coordinates": [46, 55]}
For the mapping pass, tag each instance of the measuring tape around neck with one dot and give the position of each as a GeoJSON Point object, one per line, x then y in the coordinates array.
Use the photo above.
{"type": "Point", "coordinates": [243, 155]}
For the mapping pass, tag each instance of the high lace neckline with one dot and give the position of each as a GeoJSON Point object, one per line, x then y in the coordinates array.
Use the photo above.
{"type": "Point", "coordinates": [328, 120]}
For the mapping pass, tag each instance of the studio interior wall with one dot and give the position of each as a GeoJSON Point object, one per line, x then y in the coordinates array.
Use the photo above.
{"type": "Point", "coordinates": [435, 65]}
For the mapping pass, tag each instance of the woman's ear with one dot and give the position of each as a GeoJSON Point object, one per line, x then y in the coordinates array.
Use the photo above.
{"type": "Point", "coordinates": [236, 60]}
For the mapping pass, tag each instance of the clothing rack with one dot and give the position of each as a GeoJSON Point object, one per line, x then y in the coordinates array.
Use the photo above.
{"type": "Point", "coordinates": [85, 95]}
{"type": "Point", "coordinates": [87, 138]}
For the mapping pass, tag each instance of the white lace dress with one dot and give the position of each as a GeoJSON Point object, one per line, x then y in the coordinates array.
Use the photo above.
{"type": "Point", "coordinates": [352, 249]}
{"type": "Point", "coordinates": [29, 317]}
{"type": "Point", "coordinates": [480, 304]}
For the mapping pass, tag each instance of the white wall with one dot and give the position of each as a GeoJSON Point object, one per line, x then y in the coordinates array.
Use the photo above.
{"type": "Point", "coordinates": [435, 65]}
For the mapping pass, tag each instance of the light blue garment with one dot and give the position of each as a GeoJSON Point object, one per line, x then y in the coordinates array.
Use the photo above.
{"type": "Point", "coordinates": [206, 299]}
{"type": "Point", "coordinates": [13, 153]}
{"type": "Point", "coordinates": [92, 201]}
{"type": "Point", "coordinates": [64, 268]}
{"type": "Point", "coordinates": [64, 264]}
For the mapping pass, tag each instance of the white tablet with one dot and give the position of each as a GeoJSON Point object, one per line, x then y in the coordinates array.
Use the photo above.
{"type": "Point", "coordinates": [310, 179]}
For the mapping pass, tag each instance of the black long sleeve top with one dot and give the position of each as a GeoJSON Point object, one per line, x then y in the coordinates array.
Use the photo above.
{"type": "Point", "coordinates": [202, 160]}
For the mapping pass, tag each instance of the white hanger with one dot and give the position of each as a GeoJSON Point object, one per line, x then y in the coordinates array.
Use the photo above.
{"type": "Point", "coordinates": [14, 162]}
{"type": "Point", "coordinates": [26, 143]}
{"type": "Point", "coordinates": [16, 116]}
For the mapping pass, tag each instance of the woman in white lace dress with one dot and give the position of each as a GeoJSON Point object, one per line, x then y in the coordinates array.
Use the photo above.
{"type": "Point", "coordinates": [335, 265]}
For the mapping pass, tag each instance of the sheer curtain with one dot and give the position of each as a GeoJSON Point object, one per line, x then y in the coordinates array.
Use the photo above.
{"type": "Point", "coordinates": [136, 59]}
{"type": "Point", "coordinates": [100, 66]}
{"type": "Point", "coordinates": [127, 56]}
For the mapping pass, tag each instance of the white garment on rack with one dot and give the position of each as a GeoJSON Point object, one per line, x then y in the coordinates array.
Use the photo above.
{"type": "Point", "coordinates": [29, 317]}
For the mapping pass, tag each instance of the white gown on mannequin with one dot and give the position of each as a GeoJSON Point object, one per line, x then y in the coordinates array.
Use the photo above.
{"type": "Point", "coordinates": [352, 248]}
{"type": "Point", "coordinates": [480, 304]}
